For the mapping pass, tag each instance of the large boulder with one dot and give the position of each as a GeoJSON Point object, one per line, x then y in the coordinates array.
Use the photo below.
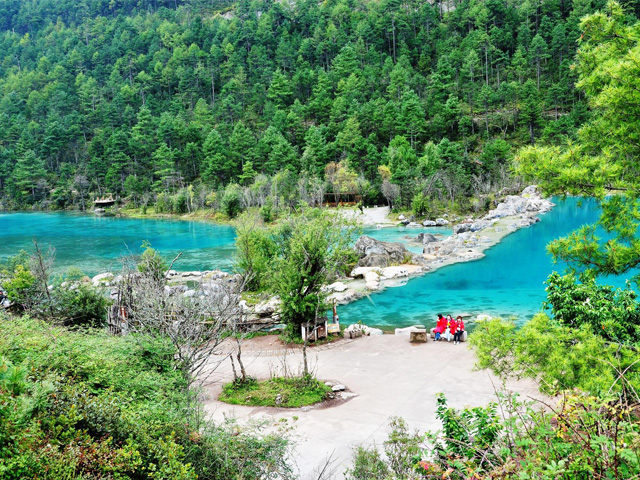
{"type": "Point", "coordinates": [425, 238]}
{"type": "Point", "coordinates": [395, 272]}
{"type": "Point", "coordinates": [362, 271]}
{"type": "Point", "coordinates": [375, 253]}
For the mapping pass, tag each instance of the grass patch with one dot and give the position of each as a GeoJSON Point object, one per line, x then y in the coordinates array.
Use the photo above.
{"type": "Point", "coordinates": [292, 392]}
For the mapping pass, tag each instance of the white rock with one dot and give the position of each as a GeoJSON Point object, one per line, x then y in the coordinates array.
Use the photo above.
{"type": "Point", "coordinates": [483, 317]}
{"type": "Point", "coordinates": [338, 388]}
{"type": "Point", "coordinates": [413, 224]}
{"type": "Point", "coordinates": [429, 223]}
{"type": "Point", "coordinates": [337, 287]}
{"type": "Point", "coordinates": [189, 293]}
{"type": "Point", "coordinates": [402, 217]}
{"type": "Point", "coordinates": [441, 222]}
{"type": "Point", "coordinates": [103, 277]}
{"type": "Point", "coordinates": [395, 272]}
{"type": "Point", "coordinates": [371, 277]}
{"type": "Point", "coordinates": [372, 286]}
{"type": "Point", "coordinates": [408, 330]}
{"type": "Point", "coordinates": [362, 271]}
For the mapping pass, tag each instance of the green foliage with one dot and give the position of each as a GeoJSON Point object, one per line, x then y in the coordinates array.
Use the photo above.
{"type": "Point", "coordinates": [582, 437]}
{"type": "Point", "coordinates": [91, 405]}
{"type": "Point", "coordinates": [256, 248]}
{"type": "Point", "coordinates": [316, 248]}
{"type": "Point", "coordinates": [420, 205]}
{"type": "Point", "coordinates": [611, 313]}
{"type": "Point", "coordinates": [152, 263]}
{"type": "Point", "coordinates": [230, 204]}
{"type": "Point", "coordinates": [82, 305]}
{"type": "Point", "coordinates": [287, 392]}
{"type": "Point", "coordinates": [133, 95]}
{"type": "Point", "coordinates": [559, 357]}
{"type": "Point", "coordinates": [600, 160]}
{"type": "Point", "coordinates": [294, 259]}
{"type": "Point", "coordinates": [468, 433]}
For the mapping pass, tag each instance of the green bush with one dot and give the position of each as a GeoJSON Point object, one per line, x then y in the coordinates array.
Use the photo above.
{"type": "Point", "coordinates": [84, 404]}
{"type": "Point", "coordinates": [163, 204]}
{"type": "Point", "coordinates": [583, 437]}
{"type": "Point", "coordinates": [82, 306]}
{"type": "Point", "coordinates": [612, 313]}
{"type": "Point", "coordinates": [180, 202]}
{"type": "Point", "coordinates": [231, 204]}
{"type": "Point", "coordinates": [420, 205]}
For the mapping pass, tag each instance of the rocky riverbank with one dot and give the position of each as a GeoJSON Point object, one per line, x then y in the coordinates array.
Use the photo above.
{"type": "Point", "coordinates": [379, 264]}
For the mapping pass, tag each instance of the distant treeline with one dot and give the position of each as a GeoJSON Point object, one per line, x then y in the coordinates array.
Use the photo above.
{"type": "Point", "coordinates": [404, 101]}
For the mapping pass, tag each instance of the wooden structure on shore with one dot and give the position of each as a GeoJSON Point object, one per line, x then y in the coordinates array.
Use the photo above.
{"type": "Point", "coordinates": [341, 199]}
{"type": "Point", "coordinates": [103, 202]}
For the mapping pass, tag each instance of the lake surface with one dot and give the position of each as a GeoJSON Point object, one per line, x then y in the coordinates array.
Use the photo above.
{"type": "Point", "coordinates": [95, 244]}
{"type": "Point", "coordinates": [508, 281]}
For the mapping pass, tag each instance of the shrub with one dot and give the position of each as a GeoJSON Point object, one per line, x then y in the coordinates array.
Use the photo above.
{"type": "Point", "coordinates": [420, 205]}
{"type": "Point", "coordinates": [82, 306]}
{"type": "Point", "coordinates": [180, 202]}
{"type": "Point", "coordinates": [89, 405]}
{"type": "Point", "coordinates": [230, 203]}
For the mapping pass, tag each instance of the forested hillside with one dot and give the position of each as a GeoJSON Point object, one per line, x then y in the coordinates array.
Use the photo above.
{"type": "Point", "coordinates": [192, 103]}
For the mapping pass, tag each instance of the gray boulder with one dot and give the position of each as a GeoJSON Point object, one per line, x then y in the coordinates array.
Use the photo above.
{"type": "Point", "coordinates": [425, 238]}
{"type": "Point", "coordinates": [429, 223]}
{"type": "Point", "coordinates": [375, 253]}
{"type": "Point", "coordinates": [461, 228]}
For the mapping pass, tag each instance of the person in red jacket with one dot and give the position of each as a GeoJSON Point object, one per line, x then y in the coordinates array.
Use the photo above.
{"type": "Point", "coordinates": [447, 328]}
{"type": "Point", "coordinates": [453, 325]}
{"type": "Point", "coordinates": [440, 327]}
{"type": "Point", "coordinates": [457, 337]}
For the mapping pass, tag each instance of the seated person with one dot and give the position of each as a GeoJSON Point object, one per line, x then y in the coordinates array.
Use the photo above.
{"type": "Point", "coordinates": [441, 326]}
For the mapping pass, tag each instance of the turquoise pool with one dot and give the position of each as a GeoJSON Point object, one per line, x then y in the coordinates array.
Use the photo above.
{"type": "Point", "coordinates": [95, 244]}
{"type": "Point", "coordinates": [508, 281]}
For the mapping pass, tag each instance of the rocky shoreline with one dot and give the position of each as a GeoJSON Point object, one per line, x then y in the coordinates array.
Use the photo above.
{"type": "Point", "coordinates": [468, 242]}
{"type": "Point", "coordinates": [381, 264]}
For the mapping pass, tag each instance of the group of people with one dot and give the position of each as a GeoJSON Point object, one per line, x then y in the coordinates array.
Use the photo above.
{"type": "Point", "coordinates": [449, 328]}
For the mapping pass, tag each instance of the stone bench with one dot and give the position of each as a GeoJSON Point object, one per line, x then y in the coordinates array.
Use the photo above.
{"type": "Point", "coordinates": [418, 336]}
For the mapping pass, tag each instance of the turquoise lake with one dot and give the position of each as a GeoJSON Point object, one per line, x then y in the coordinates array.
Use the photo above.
{"type": "Point", "coordinates": [95, 244]}
{"type": "Point", "coordinates": [508, 281]}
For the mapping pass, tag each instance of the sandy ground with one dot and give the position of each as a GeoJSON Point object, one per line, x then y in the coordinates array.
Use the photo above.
{"type": "Point", "coordinates": [369, 215]}
{"type": "Point", "coordinates": [389, 377]}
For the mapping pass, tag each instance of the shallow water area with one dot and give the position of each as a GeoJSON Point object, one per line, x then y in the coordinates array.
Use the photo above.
{"type": "Point", "coordinates": [404, 234]}
{"type": "Point", "coordinates": [95, 244]}
{"type": "Point", "coordinates": [507, 282]}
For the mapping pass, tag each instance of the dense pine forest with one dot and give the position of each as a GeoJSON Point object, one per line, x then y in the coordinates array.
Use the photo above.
{"type": "Point", "coordinates": [186, 104]}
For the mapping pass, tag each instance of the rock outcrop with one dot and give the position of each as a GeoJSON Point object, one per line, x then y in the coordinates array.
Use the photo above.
{"type": "Point", "coordinates": [524, 207]}
{"type": "Point", "coordinates": [375, 253]}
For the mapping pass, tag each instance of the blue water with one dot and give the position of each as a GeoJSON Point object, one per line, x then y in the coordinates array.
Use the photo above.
{"type": "Point", "coordinates": [95, 244]}
{"type": "Point", "coordinates": [507, 282]}
{"type": "Point", "coordinates": [404, 234]}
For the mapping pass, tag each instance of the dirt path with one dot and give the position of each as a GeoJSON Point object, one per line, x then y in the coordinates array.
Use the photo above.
{"type": "Point", "coordinates": [388, 375]}
{"type": "Point", "coordinates": [369, 215]}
